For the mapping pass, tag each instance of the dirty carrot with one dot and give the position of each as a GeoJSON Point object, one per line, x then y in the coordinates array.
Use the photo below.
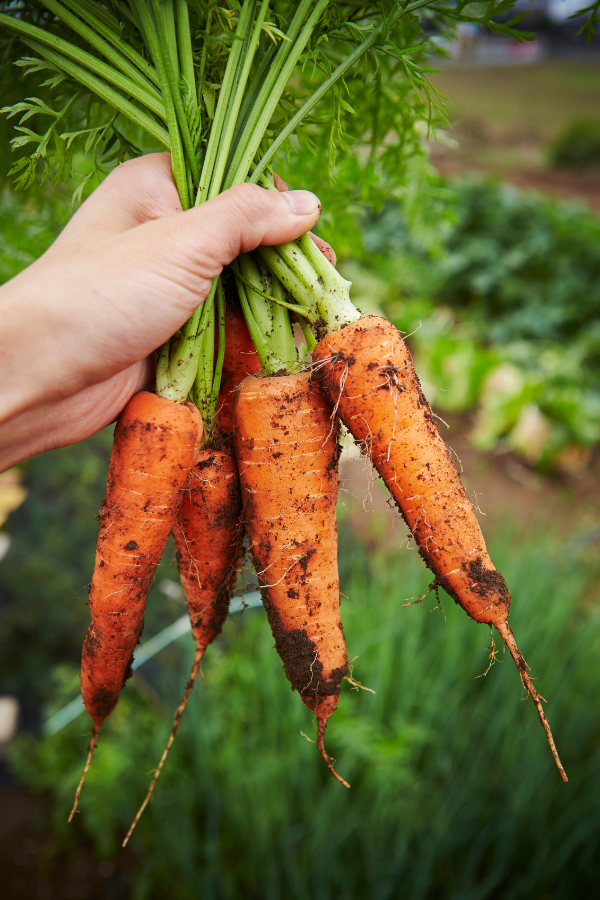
{"type": "Point", "coordinates": [240, 360]}
{"type": "Point", "coordinates": [208, 540]}
{"type": "Point", "coordinates": [367, 373]}
{"type": "Point", "coordinates": [287, 456]}
{"type": "Point", "coordinates": [155, 445]}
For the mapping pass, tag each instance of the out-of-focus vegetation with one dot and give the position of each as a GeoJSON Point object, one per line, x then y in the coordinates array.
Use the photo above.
{"type": "Point", "coordinates": [539, 99]}
{"type": "Point", "coordinates": [453, 793]}
{"type": "Point", "coordinates": [504, 117]}
{"type": "Point", "coordinates": [500, 292]}
{"type": "Point", "coordinates": [577, 146]}
{"type": "Point", "coordinates": [28, 225]}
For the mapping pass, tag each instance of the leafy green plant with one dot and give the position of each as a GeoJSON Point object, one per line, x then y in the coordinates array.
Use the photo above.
{"type": "Point", "coordinates": [577, 146]}
{"type": "Point", "coordinates": [27, 228]}
{"type": "Point", "coordinates": [592, 19]}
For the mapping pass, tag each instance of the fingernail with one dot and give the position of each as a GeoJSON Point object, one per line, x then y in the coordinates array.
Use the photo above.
{"type": "Point", "coordinates": [303, 203]}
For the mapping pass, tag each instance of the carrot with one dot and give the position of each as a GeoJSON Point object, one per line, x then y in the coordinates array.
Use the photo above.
{"type": "Point", "coordinates": [367, 373]}
{"type": "Point", "coordinates": [240, 360]}
{"type": "Point", "coordinates": [287, 457]}
{"type": "Point", "coordinates": [208, 540]}
{"type": "Point", "coordinates": [155, 445]}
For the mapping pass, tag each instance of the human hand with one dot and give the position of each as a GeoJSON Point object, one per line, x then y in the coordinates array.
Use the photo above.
{"type": "Point", "coordinates": [79, 325]}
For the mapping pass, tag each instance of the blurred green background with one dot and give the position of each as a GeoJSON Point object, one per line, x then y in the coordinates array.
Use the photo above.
{"type": "Point", "coordinates": [454, 793]}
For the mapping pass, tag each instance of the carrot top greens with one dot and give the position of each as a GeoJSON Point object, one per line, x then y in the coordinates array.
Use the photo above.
{"type": "Point", "coordinates": [227, 87]}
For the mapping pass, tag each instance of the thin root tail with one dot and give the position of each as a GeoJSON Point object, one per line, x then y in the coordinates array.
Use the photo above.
{"type": "Point", "coordinates": [321, 726]}
{"type": "Point", "coordinates": [508, 637]}
{"type": "Point", "coordinates": [188, 690]}
{"type": "Point", "coordinates": [86, 768]}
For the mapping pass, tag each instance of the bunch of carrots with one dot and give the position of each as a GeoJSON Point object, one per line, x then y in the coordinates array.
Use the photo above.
{"type": "Point", "coordinates": [239, 444]}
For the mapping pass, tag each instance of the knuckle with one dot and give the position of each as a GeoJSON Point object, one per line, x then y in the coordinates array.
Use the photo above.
{"type": "Point", "coordinates": [147, 183]}
{"type": "Point", "coordinates": [249, 199]}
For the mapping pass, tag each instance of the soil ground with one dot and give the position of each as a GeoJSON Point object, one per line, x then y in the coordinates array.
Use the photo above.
{"type": "Point", "coordinates": [504, 117]}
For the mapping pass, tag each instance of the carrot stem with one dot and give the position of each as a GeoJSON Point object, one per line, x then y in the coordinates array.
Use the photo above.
{"type": "Point", "coordinates": [86, 768]}
{"type": "Point", "coordinates": [508, 637]}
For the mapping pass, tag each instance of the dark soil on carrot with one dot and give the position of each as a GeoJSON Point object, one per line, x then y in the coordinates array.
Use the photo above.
{"type": "Point", "coordinates": [302, 667]}
{"type": "Point", "coordinates": [487, 580]}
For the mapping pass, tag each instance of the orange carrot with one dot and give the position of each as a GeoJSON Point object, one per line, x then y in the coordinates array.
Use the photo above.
{"type": "Point", "coordinates": [367, 373]}
{"type": "Point", "coordinates": [240, 360]}
{"type": "Point", "coordinates": [156, 443]}
{"type": "Point", "coordinates": [287, 457]}
{"type": "Point", "coordinates": [208, 539]}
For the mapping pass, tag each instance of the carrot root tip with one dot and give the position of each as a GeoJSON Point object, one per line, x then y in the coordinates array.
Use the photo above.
{"type": "Point", "coordinates": [508, 637]}
{"type": "Point", "coordinates": [321, 726]}
{"type": "Point", "coordinates": [86, 768]}
{"type": "Point", "coordinates": [200, 648]}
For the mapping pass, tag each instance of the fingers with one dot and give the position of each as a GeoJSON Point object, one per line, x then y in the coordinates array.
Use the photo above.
{"type": "Point", "coordinates": [325, 248]}
{"type": "Point", "coordinates": [279, 183]}
{"type": "Point", "coordinates": [137, 191]}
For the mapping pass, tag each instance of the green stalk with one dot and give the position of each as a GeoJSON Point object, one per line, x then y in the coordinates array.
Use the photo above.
{"type": "Point", "coordinates": [203, 59]}
{"type": "Point", "coordinates": [184, 357]}
{"type": "Point", "coordinates": [308, 335]}
{"type": "Point", "coordinates": [234, 108]}
{"type": "Point", "coordinates": [282, 340]}
{"type": "Point", "coordinates": [164, 15]}
{"type": "Point", "coordinates": [312, 281]}
{"type": "Point", "coordinates": [216, 385]}
{"type": "Point", "coordinates": [295, 286]}
{"type": "Point", "coordinates": [104, 91]}
{"type": "Point", "coordinates": [227, 86]}
{"type": "Point", "coordinates": [271, 317]}
{"type": "Point", "coordinates": [301, 311]}
{"type": "Point", "coordinates": [163, 376]}
{"type": "Point", "coordinates": [116, 58]}
{"type": "Point", "coordinates": [335, 76]}
{"type": "Point", "coordinates": [258, 338]}
{"type": "Point", "coordinates": [250, 98]}
{"type": "Point", "coordinates": [85, 60]}
{"type": "Point", "coordinates": [203, 382]}
{"type": "Point", "coordinates": [167, 46]}
{"type": "Point", "coordinates": [247, 272]}
{"type": "Point", "coordinates": [100, 12]}
{"type": "Point", "coordinates": [265, 106]}
{"type": "Point", "coordinates": [177, 155]}
{"type": "Point", "coordinates": [91, 14]}
{"type": "Point", "coordinates": [269, 362]}
{"type": "Point", "coordinates": [258, 96]}
{"type": "Point", "coordinates": [184, 42]}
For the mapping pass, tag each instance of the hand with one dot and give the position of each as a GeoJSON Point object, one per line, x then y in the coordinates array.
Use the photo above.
{"type": "Point", "coordinates": [79, 326]}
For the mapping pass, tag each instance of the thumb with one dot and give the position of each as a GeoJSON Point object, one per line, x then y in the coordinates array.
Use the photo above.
{"type": "Point", "coordinates": [210, 236]}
